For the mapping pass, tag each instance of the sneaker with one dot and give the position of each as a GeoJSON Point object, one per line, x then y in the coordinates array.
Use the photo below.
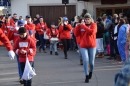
{"type": "Point", "coordinates": [56, 53]}
{"type": "Point", "coordinates": [121, 62]}
{"type": "Point", "coordinates": [39, 49]}
{"type": "Point", "coordinates": [66, 57]}
{"type": "Point", "coordinates": [44, 51]}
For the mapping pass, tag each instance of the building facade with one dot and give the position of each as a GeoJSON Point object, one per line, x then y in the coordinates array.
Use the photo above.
{"type": "Point", "coordinates": [47, 7]}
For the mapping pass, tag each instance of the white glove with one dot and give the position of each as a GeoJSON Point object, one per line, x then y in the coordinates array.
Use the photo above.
{"type": "Point", "coordinates": [11, 54]}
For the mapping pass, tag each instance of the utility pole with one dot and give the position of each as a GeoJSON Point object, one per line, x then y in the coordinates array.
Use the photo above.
{"type": "Point", "coordinates": [65, 10]}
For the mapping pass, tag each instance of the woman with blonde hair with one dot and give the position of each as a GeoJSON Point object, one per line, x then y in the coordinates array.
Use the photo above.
{"type": "Point", "coordinates": [87, 31]}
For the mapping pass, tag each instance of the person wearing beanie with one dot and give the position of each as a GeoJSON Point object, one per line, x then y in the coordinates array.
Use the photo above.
{"type": "Point", "coordinates": [30, 26]}
{"type": "Point", "coordinates": [41, 28]}
{"type": "Point", "coordinates": [14, 35]}
{"type": "Point", "coordinates": [26, 18]}
{"type": "Point", "coordinates": [53, 35]}
{"type": "Point", "coordinates": [87, 31]}
{"type": "Point", "coordinates": [99, 38]}
{"type": "Point", "coordinates": [109, 27]}
{"type": "Point", "coordinates": [64, 30]}
{"type": "Point", "coordinates": [25, 46]}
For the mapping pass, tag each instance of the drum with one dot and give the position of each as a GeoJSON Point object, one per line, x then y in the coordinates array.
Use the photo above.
{"type": "Point", "coordinates": [53, 40]}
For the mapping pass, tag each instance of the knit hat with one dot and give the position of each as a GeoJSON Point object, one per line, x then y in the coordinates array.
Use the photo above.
{"type": "Point", "coordinates": [28, 16]}
{"type": "Point", "coordinates": [41, 16]}
{"type": "Point", "coordinates": [20, 23]}
{"type": "Point", "coordinates": [22, 30]}
{"type": "Point", "coordinates": [52, 23]}
{"type": "Point", "coordinates": [65, 19]}
{"type": "Point", "coordinates": [99, 19]}
{"type": "Point", "coordinates": [87, 15]}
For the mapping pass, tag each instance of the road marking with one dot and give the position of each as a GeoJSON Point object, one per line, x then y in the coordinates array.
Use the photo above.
{"type": "Point", "coordinates": [8, 73]}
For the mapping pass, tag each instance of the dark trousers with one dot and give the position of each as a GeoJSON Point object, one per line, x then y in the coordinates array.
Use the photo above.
{"type": "Point", "coordinates": [66, 44]}
{"type": "Point", "coordinates": [42, 41]}
{"type": "Point", "coordinates": [116, 48]}
{"type": "Point", "coordinates": [112, 53]}
{"type": "Point", "coordinates": [22, 65]}
{"type": "Point", "coordinates": [37, 37]}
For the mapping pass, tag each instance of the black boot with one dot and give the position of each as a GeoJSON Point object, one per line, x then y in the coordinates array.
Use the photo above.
{"type": "Point", "coordinates": [90, 75]}
{"type": "Point", "coordinates": [87, 79]}
{"type": "Point", "coordinates": [51, 52]}
{"type": "Point", "coordinates": [21, 81]}
{"type": "Point", "coordinates": [29, 85]}
{"type": "Point", "coordinates": [25, 85]}
{"type": "Point", "coordinates": [66, 57]}
{"type": "Point", "coordinates": [81, 62]}
{"type": "Point", "coordinates": [56, 53]}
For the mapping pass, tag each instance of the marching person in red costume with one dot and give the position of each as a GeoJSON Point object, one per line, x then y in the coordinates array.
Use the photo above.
{"type": "Point", "coordinates": [30, 26]}
{"type": "Point", "coordinates": [40, 28]}
{"type": "Point", "coordinates": [13, 35]}
{"type": "Point", "coordinates": [53, 33]}
{"type": "Point", "coordinates": [25, 46]}
{"type": "Point", "coordinates": [65, 37]}
{"type": "Point", "coordinates": [7, 26]}
{"type": "Point", "coordinates": [5, 40]}
{"type": "Point", "coordinates": [14, 19]}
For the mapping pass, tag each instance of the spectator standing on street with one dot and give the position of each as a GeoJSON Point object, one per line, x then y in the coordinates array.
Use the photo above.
{"type": "Point", "coordinates": [121, 41]}
{"type": "Point", "coordinates": [65, 37]}
{"type": "Point", "coordinates": [110, 29]}
{"type": "Point", "coordinates": [24, 46]}
{"type": "Point", "coordinates": [99, 38]}
{"type": "Point", "coordinates": [87, 31]}
{"type": "Point", "coordinates": [116, 32]}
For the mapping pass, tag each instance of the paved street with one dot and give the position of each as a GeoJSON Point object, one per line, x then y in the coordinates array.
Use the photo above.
{"type": "Point", "coordinates": [56, 71]}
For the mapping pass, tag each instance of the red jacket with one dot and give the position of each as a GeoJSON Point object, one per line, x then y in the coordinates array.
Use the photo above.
{"type": "Point", "coordinates": [6, 28]}
{"type": "Point", "coordinates": [12, 21]}
{"type": "Point", "coordinates": [30, 27]}
{"type": "Point", "coordinates": [65, 34]}
{"type": "Point", "coordinates": [28, 45]}
{"type": "Point", "coordinates": [54, 32]}
{"type": "Point", "coordinates": [78, 37]}
{"type": "Point", "coordinates": [5, 40]}
{"type": "Point", "coordinates": [13, 35]}
{"type": "Point", "coordinates": [87, 35]}
{"type": "Point", "coordinates": [41, 26]}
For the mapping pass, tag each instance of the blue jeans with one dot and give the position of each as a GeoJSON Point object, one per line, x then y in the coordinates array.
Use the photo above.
{"type": "Point", "coordinates": [88, 55]}
{"type": "Point", "coordinates": [121, 49]}
{"type": "Point", "coordinates": [80, 55]}
{"type": "Point", "coordinates": [19, 68]}
{"type": "Point", "coordinates": [53, 45]}
{"type": "Point", "coordinates": [42, 42]}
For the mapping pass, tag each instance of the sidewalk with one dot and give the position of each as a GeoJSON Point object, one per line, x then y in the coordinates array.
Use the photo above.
{"type": "Point", "coordinates": [56, 71]}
